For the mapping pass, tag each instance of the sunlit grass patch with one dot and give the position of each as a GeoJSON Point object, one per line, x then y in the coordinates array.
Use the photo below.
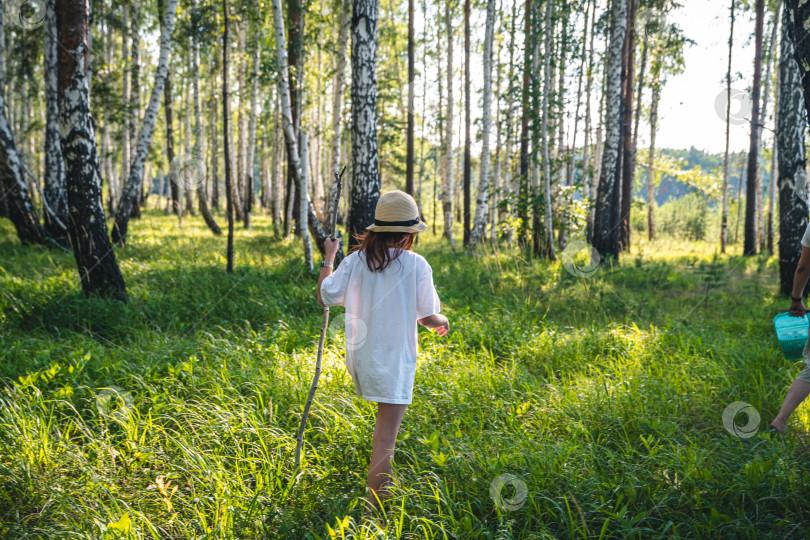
{"type": "Point", "coordinates": [600, 396]}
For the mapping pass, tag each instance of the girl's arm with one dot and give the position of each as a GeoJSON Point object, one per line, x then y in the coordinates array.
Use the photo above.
{"type": "Point", "coordinates": [436, 322]}
{"type": "Point", "coordinates": [330, 249]}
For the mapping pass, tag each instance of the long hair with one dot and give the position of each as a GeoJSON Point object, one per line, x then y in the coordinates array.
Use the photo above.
{"type": "Point", "coordinates": [377, 244]}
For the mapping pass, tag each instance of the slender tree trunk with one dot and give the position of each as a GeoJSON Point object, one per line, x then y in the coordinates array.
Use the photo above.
{"type": "Point", "coordinates": [337, 100]}
{"type": "Point", "coordinates": [440, 131]}
{"type": "Point", "coordinates": [303, 200]}
{"type": "Point", "coordinates": [482, 202]}
{"type": "Point", "coordinates": [55, 192]}
{"type": "Point", "coordinates": [226, 115]}
{"type": "Point", "coordinates": [790, 129]}
{"type": "Point", "coordinates": [549, 241]}
{"type": "Point", "coordinates": [134, 94]}
{"type": "Point", "coordinates": [523, 195]}
{"type": "Point", "coordinates": [604, 239]}
{"type": "Point", "coordinates": [131, 193]}
{"type": "Point", "coordinates": [774, 155]}
{"type": "Point", "coordinates": [20, 209]}
{"type": "Point", "coordinates": [724, 214]}
{"type": "Point", "coordinates": [656, 96]}
{"type": "Point", "coordinates": [628, 173]}
{"type": "Point", "coordinates": [642, 72]}
{"type": "Point", "coordinates": [468, 122]}
{"type": "Point", "coordinates": [251, 150]}
{"type": "Point", "coordinates": [508, 169]}
{"type": "Point", "coordinates": [587, 171]}
{"type": "Point", "coordinates": [409, 150]}
{"type": "Point", "coordinates": [242, 170]}
{"type": "Point", "coordinates": [739, 195]}
{"type": "Point", "coordinates": [87, 228]}
{"type": "Point", "coordinates": [496, 170]}
{"type": "Point", "coordinates": [447, 179]}
{"type": "Point", "coordinates": [750, 247]}
{"type": "Point", "coordinates": [214, 150]}
{"type": "Point", "coordinates": [198, 152]}
{"type": "Point", "coordinates": [126, 142]}
{"type": "Point", "coordinates": [295, 49]}
{"type": "Point", "coordinates": [765, 94]}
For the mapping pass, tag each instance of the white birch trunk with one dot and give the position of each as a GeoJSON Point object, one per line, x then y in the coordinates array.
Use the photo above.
{"type": "Point", "coordinates": [482, 202]}
{"type": "Point", "coordinates": [131, 191]}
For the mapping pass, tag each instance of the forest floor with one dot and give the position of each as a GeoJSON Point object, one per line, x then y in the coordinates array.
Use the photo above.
{"type": "Point", "coordinates": [174, 415]}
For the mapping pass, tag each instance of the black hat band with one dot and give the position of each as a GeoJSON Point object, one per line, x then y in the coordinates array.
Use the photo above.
{"type": "Point", "coordinates": [396, 223]}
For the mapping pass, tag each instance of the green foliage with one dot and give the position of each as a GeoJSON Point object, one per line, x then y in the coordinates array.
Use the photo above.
{"type": "Point", "coordinates": [174, 415]}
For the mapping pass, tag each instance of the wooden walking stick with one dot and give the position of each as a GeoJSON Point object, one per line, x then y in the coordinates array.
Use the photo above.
{"type": "Point", "coordinates": [314, 387]}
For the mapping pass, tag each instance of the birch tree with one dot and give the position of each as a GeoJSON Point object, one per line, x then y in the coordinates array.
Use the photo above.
{"type": "Point", "coordinates": [724, 208]}
{"type": "Point", "coordinates": [337, 98]}
{"type": "Point", "coordinates": [482, 202]}
{"type": "Point", "coordinates": [365, 184]}
{"type": "Point", "coordinates": [605, 239]}
{"type": "Point", "coordinates": [55, 190]}
{"type": "Point", "coordinates": [447, 176]}
{"type": "Point", "coordinates": [549, 231]}
{"type": "Point", "coordinates": [131, 193]}
{"type": "Point", "coordinates": [289, 131]}
{"type": "Point", "coordinates": [790, 128]}
{"type": "Point", "coordinates": [87, 228]}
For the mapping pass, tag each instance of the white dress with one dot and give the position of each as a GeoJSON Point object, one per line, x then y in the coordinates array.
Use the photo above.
{"type": "Point", "coordinates": [381, 312]}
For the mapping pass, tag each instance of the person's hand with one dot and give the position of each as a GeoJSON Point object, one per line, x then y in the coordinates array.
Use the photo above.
{"type": "Point", "coordinates": [444, 328]}
{"type": "Point", "coordinates": [797, 308]}
{"type": "Point", "coordinates": [330, 248]}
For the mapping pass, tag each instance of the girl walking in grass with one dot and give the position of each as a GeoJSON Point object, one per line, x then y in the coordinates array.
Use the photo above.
{"type": "Point", "coordinates": [800, 388]}
{"type": "Point", "coordinates": [386, 289]}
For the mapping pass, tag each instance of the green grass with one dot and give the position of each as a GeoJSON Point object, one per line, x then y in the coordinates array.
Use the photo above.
{"type": "Point", "coordinates": [603, 396]}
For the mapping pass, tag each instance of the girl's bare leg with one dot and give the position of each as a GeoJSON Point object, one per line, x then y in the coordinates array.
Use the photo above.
{"type": "Point", "coordinates": [799, 390]}
{"type": "Point", "coordinates": [389, 418]}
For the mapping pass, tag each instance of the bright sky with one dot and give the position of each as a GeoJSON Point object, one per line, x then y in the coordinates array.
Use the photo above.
{"type": "Point", "coordinates": [688, 115]}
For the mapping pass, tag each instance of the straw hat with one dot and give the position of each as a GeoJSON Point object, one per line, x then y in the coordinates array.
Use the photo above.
{"type": "Point", "coordinates": [397, 211]}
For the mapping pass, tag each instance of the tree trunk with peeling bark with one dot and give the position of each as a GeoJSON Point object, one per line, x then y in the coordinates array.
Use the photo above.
{"type": "Point", "coordinates": [605, 240]}
{"type": "Point", "coordinates": [131, 193]}
{"type": "Point", "coordinates": [55, 190]}
{"type": "Point", "coordinates": [365, 184]}
{"type": "Point", "coordinates": [290, 135]}
{"type": "Point", "coordinates": [94, 253]}
{"type": "Point", "coordinates": [226, 115]}
{"type": "Point", "coordinates": [482, 202]}
{"type": "Point", "coordinates": [337, 103]}
{"type": "Point", "coordinates": [628, 172]}
{"type": "Point", "coordinates": [790, 129]}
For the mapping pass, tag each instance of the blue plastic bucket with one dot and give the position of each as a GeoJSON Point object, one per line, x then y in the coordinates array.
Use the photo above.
{"type": "Point", "coordinates": [792, 334]}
